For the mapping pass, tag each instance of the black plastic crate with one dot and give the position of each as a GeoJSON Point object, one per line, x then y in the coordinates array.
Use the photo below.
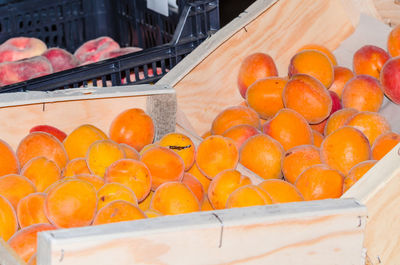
{"type": "Point", "coordinates": [69, 23]}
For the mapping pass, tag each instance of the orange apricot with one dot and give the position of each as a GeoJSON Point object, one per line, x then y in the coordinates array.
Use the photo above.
{"type": "Point", "coordinates": [206, 134]}
{"type": "Point", "coordinates": [76, 166]}
{"type": "Point", "coordinates": [71, 203]}
{"type": "Point", "coordinates": [152, 213]}
{"type": "Point", "coordinates": [42, 172]}
{"type": "Point", "coordinates": [130, 152]}
{"type": "Point", "coordinates": [102, 154]}
{"type": "Point", "coordinates": [313, 63]}
{"type": "Point", "coordinates": [281, 191]}
{"type": "Point", "coordinates": [320, 48]}
{"type": "Point", "coordinates": [8, 219]}
{"type": "Point", "coordinates": [255, 66]}
{"type": "Point", "coordinates": [24, 242]}
{"type": "Point", "coordinates": [393, 42]}
{"type": "Point", "coordinates": [306, 95]}
{"type": "Point", "coordinates": [289, 128]}
{"type": "Point", "coordinates": [338, 119]}
{"type": "Point", "coordinates": [131, 173]}
{"type": "Point", "coordinates": [320, 182]}
{"type": "Point", "coordinates": [205, 182]}
{"type": "Point", "coordinates": [341, 76]}
{"type": "Point", "coordinates": [96, 181]}
{"type": "Point", "coordinates": [232, 116]}
{"type": "Point", "coordinates": [223, 185]}
{"type": "Point", "coordinates": [114, 191]}
{"type": "Point", "coordinates": [14, 187]}
{"type": "Point", "coordinates": [344, 148]}
{"type": "Point", "coordinates": [164, 165]}
{"type": "Point", "coordinates": [182, 145]}
{"type": "Point", "coordinates": [41, 144]}
{"type": "Point", "coordinates": [194, 185]}
{"type": "Point", "coordinates": [8, 163]}
{"type": "Point", "coordinates": [145, 204]}
{"type": "Point", "coordinates": [215, 154]}
{"type": "Point", "coordinates": [263, 155]}
{"type": "Point", "coordinates": [147, 147]}
{"type": "Point", "coordinates": [369, 60]}
{"type": "Point", "coordinates": [383, 144]}
{"type": "Point", "coordinates": [80, 139]}
{"type": "Point", "coordinates": [357, 172]}
{"type": "Point", "coordinates": [319, 127]}
{"type": "Point", "coordinates": [363, 93]}
{"type": "Point", "coordinates": [297, 159]}
{"type": "Point", "coordinates": [318, 138]}
{"type": "Point", "coordinates": [118, 211]}
{"type": "Point", "coordinates": [265, 96]}
{"type": "Point", "coordinates": [206, 206]}
{"type": "Point", "coordinates": [173, 197]}
{"type": "Point", "coordinates": [133, 127]}
{"type": "Point", "coordinates": [249, 195]}
{"type": "Point", "coordinates": [30, 210]}
{"type": "Point", "coordinates": [240, 133]}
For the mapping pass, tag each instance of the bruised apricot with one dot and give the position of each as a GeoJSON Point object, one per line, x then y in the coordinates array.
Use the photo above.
{"type": "Point", "coordinates": [215, 154]}
{"type": "Point", "coordinates": [363, 93]}
{"type": "Point", "coordinates": [96, 181]}
{"type": "Point", "coordinates": [320, 182]}
{"type": "Point", "coordinates": [338, 119]}
{"type": "Point", "coordinates": [265, 96]}
{"type": "Point", "coordinates": [255, 66]}
{"type": "Point", "coordinates": [289, 128]}
{"type": "Point", "coordinates": [113, 192]}
{"type": "Point", "coordinates": [130, 152]}
{"type": "Point", "coordinates": [41, 144]}
{"type": "Point", "coordinates": [182, 145]}
{"type": "Point", "coordinates": [102, 154]}
{"type": "Point", "coordinates": [118, 211]}
{"type": "Point", "coordinates": [320, 48]}
{"type": "Point", "coordinates": [14, 187]}
{"type": "Point", "coordinates": [223, 185]}
{"type": "Point", "coordinates": [281, 191]}
{"type": "Point", "coordinates": [30, 210]}
{"type": "Point", "coordinates": [249, 195]}
{"type": "Point", "coordinates": [297, 159]}
{"type": "Point", "coordinates": [371, 124]}
{"type": "Point", "coordinates": [133, 127]}
{"type": "Point", "coordinates": [341, 76]}
{"type": "Point", "coordinates": [24, 242]}
{"type": "Point", "coordinates": [306, 95]}
{"type": "Point", "coordinates": [42, 172]}
{"type": "Point", "coordinates": [205, 182]}
{"type": "Point", "coordinates": [344, 148]}
{"type": "Point", "coordinates": [8, 162]}
{"type": "Point", "coordinates": [71, 203]}
{"type": "Point", "coordinates": [80, 139]}
{"type": "Point", "coordinates": [356, 173]}
{"type": "Point", "coordinates": [194, 185]}
{"type": "Point", "coordinates": [313, 63]}
{"type": "Point", "coordinates": [233, 116]}
{"type": "Point", "coordinates": [240, 133]}
{"type": "Point", "coordinates": [8, 219]}
{"type": "Point", "coordinates": [131, 173]}
{"type": "Point", "coordinates": [383, 144]}
{"type": "Point", "coordinates": [164, 165]}
{"type": "Point", "coordinates": [263, 155]}
{"type": "Point", "coordinates": [173, 197]}
{"type": "Point", "coordinates": [75, 167]}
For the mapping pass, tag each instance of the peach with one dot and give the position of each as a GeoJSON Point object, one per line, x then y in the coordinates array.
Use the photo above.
{"type": "Point", "coordinates": [313, 63]}
{"type": "Point", "coordinates": [15, 187]}
{"type": "Point", "coordinates": [92, 51]}
{"type": "Point", "coordinates": [30, 210]}
{"type": "Point", "coordinates": [114, 191]}
{"type": "Point", "coordinates": [240, 133]}
{"type": "Point", "coordinates": [119, 52]}
{"type": "Point", "coordinates": [368, 60]}
{"type": "Point", "coordinates": [232, 116]}
{"type": "Point", "coordinates": [24, 242]}
{"type": "Point", "coordinates": [60, 59]}
{"type": "Point", "coordinates": [18, 71]}
{"type": "Point", "coordinates": [19, 48]}
{"type": "Point", "coordinates": [75, 167]}
{"type": "Point", "coordinates": [118, 211]}
{"type": "Point", "coordinates": [341, 76]}
{"type": "Point", "coordinates": [215, 154]}
{"type": "Point", "coordinates": [133, 127]}
{"type": "Point", "coordinates": [254, 67]}
{"type": "Point", "coordinates": [249, 195]}
{"type": "Point", "coordinates": [393, 42]}
{"type": "Point", "coordinates": [9, 163]}
{"type": "Point", "coordinates": [131, 173]}
{"type": "Point", "coordinates": [306, 95]}
{"type": "Point", "coordinates": [42, 172]}
{"type": "Point", "coordinates": [8, 219]}
{"type": "Point", "coordinates": [390, 79]}
{"type": "Point", "coordinates": [363, 93]}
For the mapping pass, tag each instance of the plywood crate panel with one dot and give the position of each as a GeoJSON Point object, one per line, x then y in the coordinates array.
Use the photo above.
{"type": "Point", "coordinates": [206, 83]}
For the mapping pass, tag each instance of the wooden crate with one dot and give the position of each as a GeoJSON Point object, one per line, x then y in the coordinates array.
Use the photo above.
{"type": "Point", "coordinates": [205, 83]}
{"type": "Point", "coordinates": [319, 232]}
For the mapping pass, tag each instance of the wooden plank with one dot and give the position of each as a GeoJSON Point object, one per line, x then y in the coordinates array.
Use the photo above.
{"type": "Point", "coordinates": [385, 10]}
{"type": "Point", "coordinates": [215, 63]}
{"type": "Point", "coordinates": [8, 255]}
{"type": "Point", "coordinates": [67, 109]}
{"type": "Point", "coordinates": [316, 232]}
